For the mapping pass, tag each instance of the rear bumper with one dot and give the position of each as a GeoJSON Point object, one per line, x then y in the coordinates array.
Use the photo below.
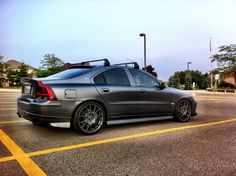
{"type": "Point", "coordinates": [36, 117]}
{"type": "Point", "coordinates": [43, 111]}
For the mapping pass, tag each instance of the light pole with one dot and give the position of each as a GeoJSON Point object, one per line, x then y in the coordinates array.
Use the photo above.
{"type": "Point", "coordinates": [144, 36]}
{"type": "Point", "coordinates": [211, 77]}
{"type": "Point", "coordinates": [188, 63]}
{"type": "Point", "coordinates": [211, 66]}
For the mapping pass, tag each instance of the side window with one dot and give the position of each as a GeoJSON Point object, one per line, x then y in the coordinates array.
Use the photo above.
{"type": "Point", "coordinates": [143, 80]}
{"type": "Point", "coordinates": [99, 79]}
{"type": "Point", "coordinates": [116, 76]}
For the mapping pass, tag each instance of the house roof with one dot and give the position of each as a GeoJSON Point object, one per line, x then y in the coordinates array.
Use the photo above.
{"type": "Point", "coordinates": [14, 64]}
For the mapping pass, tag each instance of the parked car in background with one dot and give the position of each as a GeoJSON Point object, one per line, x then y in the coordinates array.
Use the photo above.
{"type": "Point", "coordinates": [88, 96]}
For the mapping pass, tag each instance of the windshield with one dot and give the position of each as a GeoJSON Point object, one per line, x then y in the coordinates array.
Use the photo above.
{"type": "Point", "coordinates": [70, 73]}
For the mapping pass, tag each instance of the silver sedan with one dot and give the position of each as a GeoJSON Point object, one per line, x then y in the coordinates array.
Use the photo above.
{"type": "Point", "coordinates": [88, 96]}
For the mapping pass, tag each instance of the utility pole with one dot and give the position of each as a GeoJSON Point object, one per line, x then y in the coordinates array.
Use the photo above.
{"type": "Point", "coordinates": [211, 67]}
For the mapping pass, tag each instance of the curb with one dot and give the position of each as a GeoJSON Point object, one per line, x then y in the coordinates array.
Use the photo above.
{"type": "Point", "coordinates": [3, 90]}
{"type": "Point", "coordinates": [205, 93]}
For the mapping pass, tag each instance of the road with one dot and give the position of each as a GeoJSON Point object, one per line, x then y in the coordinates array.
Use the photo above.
{"type": "Point", "coordinates": [206, 145]}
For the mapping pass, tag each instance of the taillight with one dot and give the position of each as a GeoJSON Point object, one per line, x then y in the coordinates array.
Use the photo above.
{"type": "Point", "coordinates": [45, 92]}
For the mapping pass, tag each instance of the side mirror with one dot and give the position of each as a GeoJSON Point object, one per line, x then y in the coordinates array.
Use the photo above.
{"type": "Point", "coordinates": [162, 86]}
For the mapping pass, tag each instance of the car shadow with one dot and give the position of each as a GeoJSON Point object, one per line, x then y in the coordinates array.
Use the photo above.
{"type": "Point", "coordinates": [137, 123]}
{"type": "Point", "coordinates": [121, 124]}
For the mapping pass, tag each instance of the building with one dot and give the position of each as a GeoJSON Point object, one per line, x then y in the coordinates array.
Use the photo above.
{"type": "Point", "coordinates": [230, 79]}
{"type": "Point", "coordinates": [13, 65]}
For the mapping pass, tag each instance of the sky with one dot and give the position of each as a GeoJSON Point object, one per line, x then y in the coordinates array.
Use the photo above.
{"type": "Point", "coordinates": [76, 30]}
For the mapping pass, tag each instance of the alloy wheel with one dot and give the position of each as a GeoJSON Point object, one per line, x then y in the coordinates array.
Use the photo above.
{"type": "Point", "coordinates": [183, 111]}
{"type": "Point", "coordinates": [90, 118]}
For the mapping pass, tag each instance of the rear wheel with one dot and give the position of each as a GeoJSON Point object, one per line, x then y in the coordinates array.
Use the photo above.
{"type": "Point", "coordinates": [89, 118]}
{"type": "Point", "coordinates": [183, 110]}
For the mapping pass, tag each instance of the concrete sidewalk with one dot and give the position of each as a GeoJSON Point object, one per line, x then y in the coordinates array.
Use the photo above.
{"type": "Point", "coordinates": [9, 90]}
{"type": "Point", "coordinates": [205, 93]}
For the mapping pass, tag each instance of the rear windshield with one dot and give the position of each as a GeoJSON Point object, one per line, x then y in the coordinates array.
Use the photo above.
{"type": "Point", "coordinates": [70, 73]}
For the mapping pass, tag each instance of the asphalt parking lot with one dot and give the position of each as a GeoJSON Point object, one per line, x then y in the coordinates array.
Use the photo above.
{"type": "Point", "coordinates": [206, 145]}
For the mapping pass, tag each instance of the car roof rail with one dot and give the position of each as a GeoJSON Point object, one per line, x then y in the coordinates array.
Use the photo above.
{"type": "Point", "coordinates": [135, 64]}
{"type": "Point", "coordinates": [106, 62]}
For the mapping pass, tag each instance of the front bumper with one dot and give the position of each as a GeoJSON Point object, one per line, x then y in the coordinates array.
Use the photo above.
{"type": "Point", "coordinates": [194, 108]}
{"type": "Point", "coordinates": [44, 111]}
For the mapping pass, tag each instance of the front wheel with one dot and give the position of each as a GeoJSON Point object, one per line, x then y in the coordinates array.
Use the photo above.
{"type": "Point", "coordinates": [89, 118]}
{"type": "Point", "coordinates": [183, 110]}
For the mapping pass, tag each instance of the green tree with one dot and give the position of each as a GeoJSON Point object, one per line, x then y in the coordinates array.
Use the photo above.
{"type": "Point", "coordinates": [22, 73]}
{"type": "Point", "coordinates": [186, 78]}
{"type": "Point", "coordinates": [12, 77]}
{"type": "Point", "coordinates": [43, 73]}
{"type": "Point", "coordinates": [1, 64]}
{"type": "Point", "coordinates": [188, 81]}
{"type": "Point", "coordinates": [150, 70]}
{"type": "Point", "coordinates": [174, 80]}
{"type": "Point", "coordinates": [202, 80]}
{"type": "Point", "coordinates": [226, 60]}
{"type": "Point", "coordinates": [50, 65]}
{"type": "Point", "coordinates": [52, 62]}
{"type": "Point", "coordinates": [1, 68]}
{"type": "Point", "coordinates": [177, 80]}
{"type": "Point", "coordinates": [23, 70]}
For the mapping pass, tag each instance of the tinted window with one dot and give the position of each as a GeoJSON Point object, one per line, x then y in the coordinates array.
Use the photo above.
{"type": "Point", "coordinates": [99, 79]}
{"type": "Point", "coordinates": [116, 76]}
{"type": "Point", "coordinates": [70, 73]}
{"type": "Point", "coordinates": [143, 79]}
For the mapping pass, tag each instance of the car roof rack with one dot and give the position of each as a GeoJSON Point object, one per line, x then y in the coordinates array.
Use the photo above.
{"type": "Point", "coordinates": [135, 64]}
{"type": "Point", "coordinates": [106, 62]}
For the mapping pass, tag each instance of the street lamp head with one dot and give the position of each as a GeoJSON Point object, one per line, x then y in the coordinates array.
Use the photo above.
{"type": "Point", "coordinates": [142, 35]}
{"type": "Point", "coordinates": [188, 63]}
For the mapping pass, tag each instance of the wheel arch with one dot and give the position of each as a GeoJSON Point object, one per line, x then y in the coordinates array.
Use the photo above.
{"type": "Point", "coordinates": [176, 106]}
{"type": "Point", "coordinates": [184, 98]}
{"type": "Point", "coordinates": [180, 99]}
{"type": "Point", "coordinates": [97, 101]}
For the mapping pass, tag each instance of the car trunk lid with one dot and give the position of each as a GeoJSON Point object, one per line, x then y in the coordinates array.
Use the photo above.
{"type": "Point", "coordinates": [35, 89]}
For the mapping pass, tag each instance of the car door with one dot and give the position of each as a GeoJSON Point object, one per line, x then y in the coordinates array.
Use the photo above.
{"type": "Point", "coordinates": [152, 100]}
{"type": "Point", "coordinates": [114, 87]}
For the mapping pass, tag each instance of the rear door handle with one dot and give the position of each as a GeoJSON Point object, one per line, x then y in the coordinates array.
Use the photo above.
{"type": "Point", "coordinates": [105, 90]}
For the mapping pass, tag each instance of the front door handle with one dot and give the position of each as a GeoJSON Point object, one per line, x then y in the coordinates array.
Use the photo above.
{"type": "Point", "coordinates": [143, 91]}
{"type": "Point", "coordinates": [105, 90]}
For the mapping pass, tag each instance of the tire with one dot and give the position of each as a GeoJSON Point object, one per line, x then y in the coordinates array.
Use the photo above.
{"type": "Point", "coordinates": [183, 110]}
{"type": "Point", "coordinates": [89, 118]}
